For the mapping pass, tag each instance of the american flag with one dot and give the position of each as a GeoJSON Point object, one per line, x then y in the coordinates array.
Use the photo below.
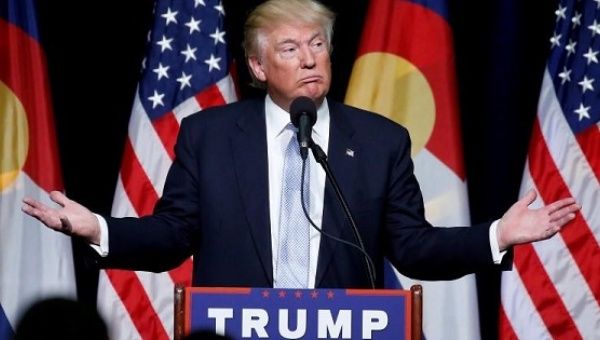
{"type": "Point", "coordinates": [186, 69]}
{"type": "Point", "coordinates": [554, 288]}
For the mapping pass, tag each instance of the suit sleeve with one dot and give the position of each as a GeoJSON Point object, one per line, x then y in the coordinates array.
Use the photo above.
{"type": "Point", "coordinates": [165, 239]}
{"type": "Point", "coordinates": [418, 249]}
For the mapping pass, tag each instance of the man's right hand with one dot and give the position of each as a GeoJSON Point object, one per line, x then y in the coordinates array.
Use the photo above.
{"type": "Point", "coordinates": [70, 218]}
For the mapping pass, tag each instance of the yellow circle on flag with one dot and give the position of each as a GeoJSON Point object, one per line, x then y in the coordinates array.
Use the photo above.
{"type": "Point", "coordinates": [401, 93]}
{"type": "Point", "coordinates": [14, 136]}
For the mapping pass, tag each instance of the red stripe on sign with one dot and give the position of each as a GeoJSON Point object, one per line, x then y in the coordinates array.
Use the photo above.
{"type": "Point", "coordinates": [138, 305]}
{"type": "Point", "coordinates": [506, 332]}
{"type": "Point", "coordinates": [546, 299]}
{"type": "Point", "coordinates": [167, 128]}
{"type": "Point", "coordinates": [138, 187]}
{"type": "Point", "coordinates": [589, 141]}
{"type": "Point", "coordinates": [211, 96]}
{"type": "Point", "coordinates": [183, 273]}
{"type": "Point", "coordinates": [577, 235]}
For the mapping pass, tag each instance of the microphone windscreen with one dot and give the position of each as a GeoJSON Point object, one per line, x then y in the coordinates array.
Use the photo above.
{"type": "Point", "coordinates": [303, 105]}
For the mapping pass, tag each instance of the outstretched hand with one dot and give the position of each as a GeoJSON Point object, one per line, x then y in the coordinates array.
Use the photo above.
{"type": "Point", "coordinates": [523, 225]}
{"type": "Point", "coordinates": [70, 218]}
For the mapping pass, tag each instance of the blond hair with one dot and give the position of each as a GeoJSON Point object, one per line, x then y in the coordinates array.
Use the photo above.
{"type": "Point", "coordinates": [273, 12]}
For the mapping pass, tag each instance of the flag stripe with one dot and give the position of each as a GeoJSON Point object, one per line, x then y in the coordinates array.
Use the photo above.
{"type": "Point", "coordinates": [138, 187]}
{"type": "Point", "coordinates": [136, 301]}
{"type": "Point", "coordinates": [577, 235]}
{"type": "Point", "coordinates": [588, 141]}
{"type": "Point", "coordinates": [505, 327]}
{"type": "Point", "coordinates": [210, 97]}
{"type": "Point", "coordinates": [564, 274]}
{"type": "Point", "coordinates": [543, 293]}
{"type": "Point", "coordinates": [516, 300]}
{"type": "Point", "coordinates": [150, 151]}
{"type": "Point", "coordinates": [181, 274]}
{"type": "Point", "coordinates": [167, 128]}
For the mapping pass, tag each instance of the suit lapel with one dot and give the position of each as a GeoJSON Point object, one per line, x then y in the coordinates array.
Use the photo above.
{"type": "Point", "coordinates": [249, 149]}
{"type": "Point", "coordinates": [342, 157]}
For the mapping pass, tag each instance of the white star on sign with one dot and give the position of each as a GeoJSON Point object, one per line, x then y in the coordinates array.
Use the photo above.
{"type": "Point", "coordinates": [199, 2]}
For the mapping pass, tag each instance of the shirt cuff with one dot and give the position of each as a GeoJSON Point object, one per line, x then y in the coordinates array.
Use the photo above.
{"type": "Point", "coordinates": [102, 249]}
{"type": "Point", "coordinates": [497, 255]}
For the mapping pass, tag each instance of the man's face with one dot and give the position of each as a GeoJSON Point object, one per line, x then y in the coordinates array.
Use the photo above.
{"type": "Point", "coordinates": [294, 61]}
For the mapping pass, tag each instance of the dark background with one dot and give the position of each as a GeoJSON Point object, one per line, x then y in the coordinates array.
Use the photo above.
{"type": "Point", "coordinates": [500, 47]}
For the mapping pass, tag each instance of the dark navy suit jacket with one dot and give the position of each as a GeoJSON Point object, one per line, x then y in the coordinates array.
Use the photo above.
{"type": "Point", "coordinates": [215, 206]}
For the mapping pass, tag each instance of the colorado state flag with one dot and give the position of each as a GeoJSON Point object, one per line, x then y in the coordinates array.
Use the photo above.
{"type": "Point", "coordinates": [405, 71]}
{"type": "Point", "coordinates": [35, 262]}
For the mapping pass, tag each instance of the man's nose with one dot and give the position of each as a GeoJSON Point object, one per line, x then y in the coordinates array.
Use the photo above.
{"type": "Point", "coordinates": [307, 57]}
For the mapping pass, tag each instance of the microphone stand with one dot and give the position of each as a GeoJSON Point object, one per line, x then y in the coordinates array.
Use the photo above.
{"type": "Point", "coordinates": [321, 158]}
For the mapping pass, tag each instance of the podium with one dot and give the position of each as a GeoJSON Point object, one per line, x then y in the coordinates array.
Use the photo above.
{"type": "Point", "coordinates": [299, 313]}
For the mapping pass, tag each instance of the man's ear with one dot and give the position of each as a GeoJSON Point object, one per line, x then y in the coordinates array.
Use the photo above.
{"type": "Point", "coordinates": [257, 68]}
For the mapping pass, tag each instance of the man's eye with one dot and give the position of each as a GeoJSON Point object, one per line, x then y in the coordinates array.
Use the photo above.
{"type": "Point", "coordinates": [318, 46]}
{"type": "Point", "coordinates": [289, 52]}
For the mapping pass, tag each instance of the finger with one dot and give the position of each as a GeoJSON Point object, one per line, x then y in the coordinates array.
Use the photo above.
{"type": "Point", "coordinates": [32, 202]}
{"type": "Point", "coordinates": [59, 198]}
{"type": "Point", "coordinates": [529, 197]}
{"type": "Point", "coordinates": [560, 204]}
{"type": "Point", "coordinates": [560, 222]}
{"type": "Point", "coordinates": [569, 209]}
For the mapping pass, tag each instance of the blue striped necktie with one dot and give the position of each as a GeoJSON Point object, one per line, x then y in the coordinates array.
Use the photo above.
{"type": "Point", "coordinates": [294, 253]}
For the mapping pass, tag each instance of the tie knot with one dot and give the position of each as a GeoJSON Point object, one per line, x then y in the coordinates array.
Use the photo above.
{"type": "Point", "coordinates": [291, 127]}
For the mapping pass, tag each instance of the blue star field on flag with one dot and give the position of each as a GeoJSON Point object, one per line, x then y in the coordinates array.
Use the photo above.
{"type": "Point", "coordinates": [187, 53]}
{"type": "Point", "coordinates": [573, 62]}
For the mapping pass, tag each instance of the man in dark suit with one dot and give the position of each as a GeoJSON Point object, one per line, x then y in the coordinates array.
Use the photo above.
{"type": "Point", "coordinates": [222, 200]}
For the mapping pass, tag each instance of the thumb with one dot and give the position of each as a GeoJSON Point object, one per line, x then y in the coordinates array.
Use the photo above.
{"type": "Point", "coordinates": [59, 198]}
{"type": "Point", "coordinates": [529, 197]}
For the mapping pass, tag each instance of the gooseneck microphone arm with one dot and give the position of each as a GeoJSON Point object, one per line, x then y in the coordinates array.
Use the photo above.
{"type": "Point", "coordinates": [303, 114]}
{"type": "Point", "coordinates": [321, 158]}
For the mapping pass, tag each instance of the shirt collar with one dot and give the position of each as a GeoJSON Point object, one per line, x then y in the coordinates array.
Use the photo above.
{"type": "Point", "coordinates": [277, 119]}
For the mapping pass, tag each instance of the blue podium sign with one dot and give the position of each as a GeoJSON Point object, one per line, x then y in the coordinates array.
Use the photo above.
{"type": "Point", "coordinates": [259, 313]}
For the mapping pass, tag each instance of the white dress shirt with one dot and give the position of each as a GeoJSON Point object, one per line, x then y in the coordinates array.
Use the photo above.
{"type": "Point", "coordinates": [278, 138]}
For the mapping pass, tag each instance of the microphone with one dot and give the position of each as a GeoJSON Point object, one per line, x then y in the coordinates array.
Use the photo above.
{"type": "Point", "coordinates": [303, 114]}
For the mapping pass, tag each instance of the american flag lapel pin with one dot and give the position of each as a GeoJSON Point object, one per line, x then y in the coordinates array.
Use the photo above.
{"type": "Point", "coordinates": [350, 152]}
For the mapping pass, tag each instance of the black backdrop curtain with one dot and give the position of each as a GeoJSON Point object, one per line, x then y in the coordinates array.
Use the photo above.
{"type": "Point", "coordinates": [500, 47]}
